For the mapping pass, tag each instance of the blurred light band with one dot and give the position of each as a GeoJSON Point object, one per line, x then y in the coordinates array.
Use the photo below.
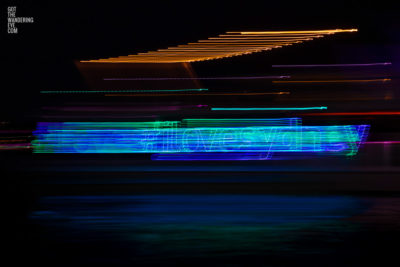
{"type": "Point", "coordinates": [197, 78]}
{"type": "Point", "coordinates": [212, 156]}
{"type": "Point", "coordinates": [382, 142]}
{"type": "Point", "coordinates": [171, 137]}
{"type": "Point", "coordinates": [198, 94]}
{"type": "Point", "coordinates": [334, 81]}
{"type": "Point", "coordinates": [122, 91]}
{"type": "Point", "coordinates": [193, 123]}
{"type": "Point", "coordinates": [374, 113]}
{"type": "Point", "coordinates": [267, 109]}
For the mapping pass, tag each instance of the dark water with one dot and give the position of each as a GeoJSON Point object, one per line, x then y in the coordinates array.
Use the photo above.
{"type": "Point", "coordinates": [98, 212]}
{"type": "Point", "coordinates": [216, 230]}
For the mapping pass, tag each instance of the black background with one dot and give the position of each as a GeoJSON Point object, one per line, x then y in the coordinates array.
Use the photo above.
{"type": "Point", "coordinates": [42, 55]}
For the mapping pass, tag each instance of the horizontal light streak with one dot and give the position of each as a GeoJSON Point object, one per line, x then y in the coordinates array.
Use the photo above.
{"type": "Point", "coordinates": [267, 45]}
{"type": "Point", "coordinates": [334, 81]}
{"type": "Point", "coordinates": [263, 37]}
{"type": "Point", "coordinates": [378, 113]}
{"type": "Point", "coordinates": [204, 94]}
{"type": "Point", "coordinates": [280, 36]}
{"type": "Point", "coordinates": [382, 142]}
{"type": "Point", "coordinates": [272, 109]}
{"type": "Point", "coordinates": [299, 32]}
{"type": "Point", "coordinates": [344, 98]}
{"type": "Point", "coordinates": [215, 156]}
{"type": "Point", "coordinates": [197, 78]}
{"type": "Point", "coordinates": [122, 91]}
{"type": "Point", "coordinates": [249, 41]}
{"type": "Point", "coordinates": [234, 122]}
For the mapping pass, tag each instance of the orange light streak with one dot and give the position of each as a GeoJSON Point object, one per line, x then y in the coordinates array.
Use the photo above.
{"type": "Point", "coordinates": [225, 45]}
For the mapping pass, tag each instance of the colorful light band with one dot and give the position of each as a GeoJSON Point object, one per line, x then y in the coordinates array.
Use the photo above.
{"type": "Point", "coordinates": [174, 137]}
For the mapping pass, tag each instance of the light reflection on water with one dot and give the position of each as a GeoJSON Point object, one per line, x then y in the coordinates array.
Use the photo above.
{"type": "Point", "coordinates": [155, 229]}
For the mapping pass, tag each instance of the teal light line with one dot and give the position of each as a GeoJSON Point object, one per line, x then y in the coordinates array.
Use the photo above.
{"type": "Point", "coordinates": [303, 108]}
{"type": "Point", "coordinates": [123, 91]}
